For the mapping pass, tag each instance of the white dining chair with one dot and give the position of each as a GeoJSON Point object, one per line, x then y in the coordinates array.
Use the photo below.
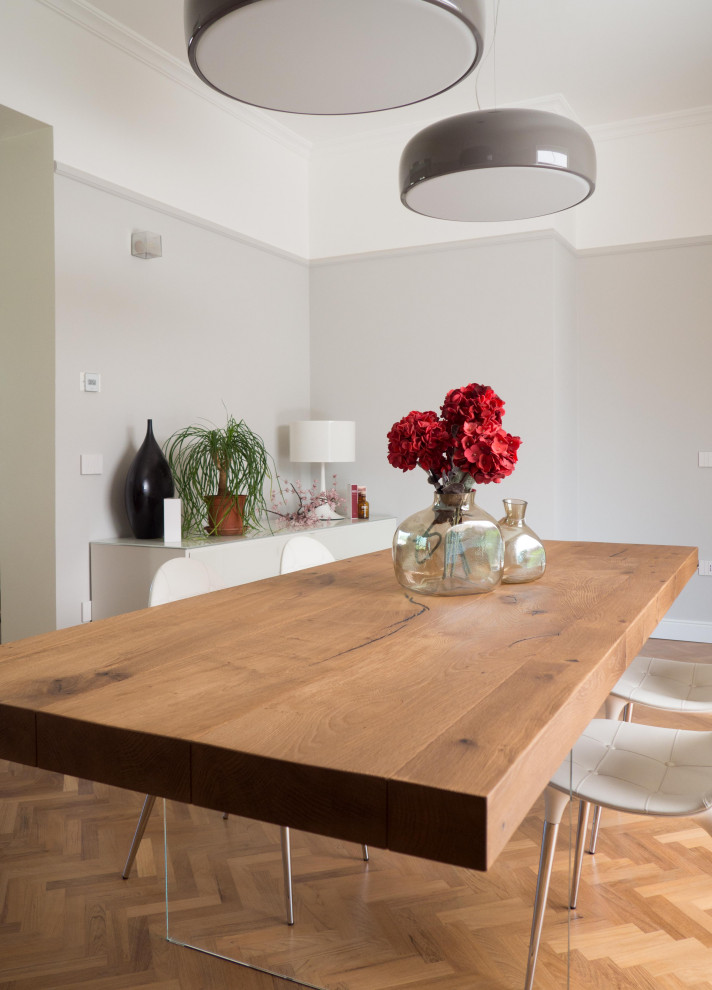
{"type": "Point", "coordinates": [303, 551]}
{"type": "Point", "coordinates": [677, 686]}
{"type": "Point", "coordinates": [182, 577]}
{"type": "Point", "coordinates": [629, 767]}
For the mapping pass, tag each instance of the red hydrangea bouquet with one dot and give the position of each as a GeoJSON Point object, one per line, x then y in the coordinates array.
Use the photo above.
{"type": "Point", "coordinates": [465, 446]}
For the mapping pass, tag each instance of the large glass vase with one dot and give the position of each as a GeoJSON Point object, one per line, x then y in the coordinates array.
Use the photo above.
{"type": "Point", "coordinates": [451, 548]}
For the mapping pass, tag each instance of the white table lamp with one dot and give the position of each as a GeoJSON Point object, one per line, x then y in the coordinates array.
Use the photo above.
{"type": "Point", "coordinates": [322, 441]}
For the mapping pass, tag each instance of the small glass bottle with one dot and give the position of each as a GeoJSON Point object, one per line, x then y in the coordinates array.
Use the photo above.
{"type": "Point", "coordinates": [362, 503]}
{"type": "Point", "coordinates": [524, 554]}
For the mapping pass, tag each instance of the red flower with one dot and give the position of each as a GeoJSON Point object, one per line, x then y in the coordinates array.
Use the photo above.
{"type": "Point", "coordinates": [468, 439]}
{"type": "Point", "coordinates": [420, 438]}
{"type": "Point", "coordinates": [472, 402]}
{"type": "Point", "coordinates": [486, 451]}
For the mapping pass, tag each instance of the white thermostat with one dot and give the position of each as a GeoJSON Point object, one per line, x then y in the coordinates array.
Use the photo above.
{"type": "Point", "coordinates": [90, 381]}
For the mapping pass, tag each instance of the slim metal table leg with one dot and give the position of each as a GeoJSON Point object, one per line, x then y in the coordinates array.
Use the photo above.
{"type": "Point", "coordinates": [287, 870]}
{"type": "Point", "coordinates": [148, 804]}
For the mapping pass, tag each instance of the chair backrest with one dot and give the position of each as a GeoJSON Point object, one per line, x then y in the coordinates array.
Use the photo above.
{"type": "Point", "coordinates": [303, 551]}
{"type": "Point", "coordinates": [182, 577]}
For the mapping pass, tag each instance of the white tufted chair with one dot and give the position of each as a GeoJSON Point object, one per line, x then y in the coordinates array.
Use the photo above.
{"type": "Point", "coordinates": [668, 685]}
{"type": "Point", "coordinates": [640, 769]}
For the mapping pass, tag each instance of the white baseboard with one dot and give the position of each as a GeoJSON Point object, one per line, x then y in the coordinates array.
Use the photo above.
{"type": "Point", "coordinates": [684, 630]}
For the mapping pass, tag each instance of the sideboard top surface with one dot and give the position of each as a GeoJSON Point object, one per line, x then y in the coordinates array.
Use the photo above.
{"type": "Point", "coordinates": [197, 542]}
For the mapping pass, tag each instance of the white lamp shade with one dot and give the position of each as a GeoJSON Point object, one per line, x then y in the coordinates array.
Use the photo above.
{"type": "Point", "coordinates": [319, 441]}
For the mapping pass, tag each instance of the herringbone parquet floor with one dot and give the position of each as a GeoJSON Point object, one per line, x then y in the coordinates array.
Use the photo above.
{"type": "Point", "coordinates": [68, 920]}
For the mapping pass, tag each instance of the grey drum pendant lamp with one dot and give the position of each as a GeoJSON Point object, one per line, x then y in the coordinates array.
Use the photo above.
{"type": "Point", "coordinates": [333, 56]}
{"type": "Point", "coordinates": [507, 164]}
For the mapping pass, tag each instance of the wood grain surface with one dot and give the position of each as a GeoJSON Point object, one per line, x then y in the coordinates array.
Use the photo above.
{"type": "Point", "coordinates": [333, 701]}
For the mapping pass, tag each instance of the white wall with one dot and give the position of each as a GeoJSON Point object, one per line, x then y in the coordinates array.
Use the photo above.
{"type": "Point", "coordinates": [646, 407]}
{"type": "Point", "coordinates": [653, 182]}
{"type": "Point", "coordinates": [396, 331]}
{"type": "Point", "coordinates": [213, 321]}
{"type": "Point", "coordinates": [141, 120]}
{"type": "Point", "coordinates": [27, 547]}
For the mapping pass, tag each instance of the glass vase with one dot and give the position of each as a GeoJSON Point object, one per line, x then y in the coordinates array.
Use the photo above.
{"type": "Point", "coordinates": [451, 548]}
{"type": "Point", "coordinates": [524, 554]}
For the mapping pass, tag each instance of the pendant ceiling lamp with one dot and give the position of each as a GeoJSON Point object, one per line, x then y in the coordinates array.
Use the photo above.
{"type": "Point", "coordinates": [508, 164]}
{"type": "Point", "coordinates": [333, 56]}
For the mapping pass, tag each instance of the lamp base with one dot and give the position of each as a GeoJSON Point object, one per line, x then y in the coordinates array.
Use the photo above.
{"type": "Point", "coordinates": [325, 512]}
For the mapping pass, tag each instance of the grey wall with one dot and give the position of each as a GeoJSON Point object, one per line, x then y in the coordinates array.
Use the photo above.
{"type": "Point", "coordinates": [646, 404]}
{"type": "Point", "coordinates": [214, 321]}
{"type": "Point", "coordinates": [27, 549]}
{"type": "Point", "coordinates": [395, 331]}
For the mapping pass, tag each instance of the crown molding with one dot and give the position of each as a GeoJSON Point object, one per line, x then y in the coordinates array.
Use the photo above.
{"type": "Point", "coordinates": [556, 103]}
{"type": "Point", "coordinates": [101, 25]}
{"type": "Point", "coordinates": [695, 117]}
{"type": "Point", "coordinates": [401, 133]}
{"type": "Point", "coordinates": [103, 185]}
{"type": "Point", "coordinates": [496, 240]}
{"type": "Point", "coordinates": [96, 22]}
{"type": "Point", "coordinates": [642, 246]}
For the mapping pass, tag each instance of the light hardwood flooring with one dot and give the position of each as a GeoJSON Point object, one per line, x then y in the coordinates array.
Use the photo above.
{"type": "Point", "coordinates": [68, 920]}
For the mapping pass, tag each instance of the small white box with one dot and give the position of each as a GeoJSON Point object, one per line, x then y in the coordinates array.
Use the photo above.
{"type": "Point", "coordinates": [145, 244]}
{"type": "Point", "coordinates": [172, 520]}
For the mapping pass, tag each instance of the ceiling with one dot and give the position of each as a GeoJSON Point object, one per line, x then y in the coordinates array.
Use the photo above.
{"type": "Point", "coordinates": [611, 60]}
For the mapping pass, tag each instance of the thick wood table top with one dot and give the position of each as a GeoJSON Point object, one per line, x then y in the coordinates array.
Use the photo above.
{"type": "Point", "coordinates": [332, 700]}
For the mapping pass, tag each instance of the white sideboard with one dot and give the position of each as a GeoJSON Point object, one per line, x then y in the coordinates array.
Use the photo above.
{"type": "Point", "coordinates": [122, 568]}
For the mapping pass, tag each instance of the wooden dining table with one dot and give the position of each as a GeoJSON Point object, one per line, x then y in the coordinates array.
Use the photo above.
{"type": "Point", "coordinates": [335, 701]}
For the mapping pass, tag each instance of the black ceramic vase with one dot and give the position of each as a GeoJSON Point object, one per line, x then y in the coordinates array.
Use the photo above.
{"type": "Point", "coordinates": [148, 482]}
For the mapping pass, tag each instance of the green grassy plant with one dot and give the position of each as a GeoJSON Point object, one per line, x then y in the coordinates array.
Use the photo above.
{"type": "Point", "coordinates": [210, 460]}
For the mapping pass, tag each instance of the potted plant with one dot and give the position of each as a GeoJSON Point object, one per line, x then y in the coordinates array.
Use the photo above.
{"type": "Point", "coordinates": [219, 474]}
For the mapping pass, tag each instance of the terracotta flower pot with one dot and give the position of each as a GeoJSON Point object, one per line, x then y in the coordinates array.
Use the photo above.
{"type": "Point", "coordinates": [225, 514]}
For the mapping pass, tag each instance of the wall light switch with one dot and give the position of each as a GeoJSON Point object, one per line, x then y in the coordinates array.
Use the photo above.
{"type": "Point", "coordinates": [92, 464]}
{"type": "Point", "coordinates": [704, 458]}
{"type": "Point", "coordinates": [704, 567]}
{"type": "Point", "coordinates": [90, 381]}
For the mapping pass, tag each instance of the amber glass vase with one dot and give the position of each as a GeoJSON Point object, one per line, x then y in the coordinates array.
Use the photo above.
{"type": "Point", "coordinates": [451, 548]}
{"type": "Point", "coordinates": [524, 554]}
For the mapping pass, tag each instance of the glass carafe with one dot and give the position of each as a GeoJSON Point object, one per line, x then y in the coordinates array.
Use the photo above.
{"type": "Point", "coordinates": [524, 554]}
